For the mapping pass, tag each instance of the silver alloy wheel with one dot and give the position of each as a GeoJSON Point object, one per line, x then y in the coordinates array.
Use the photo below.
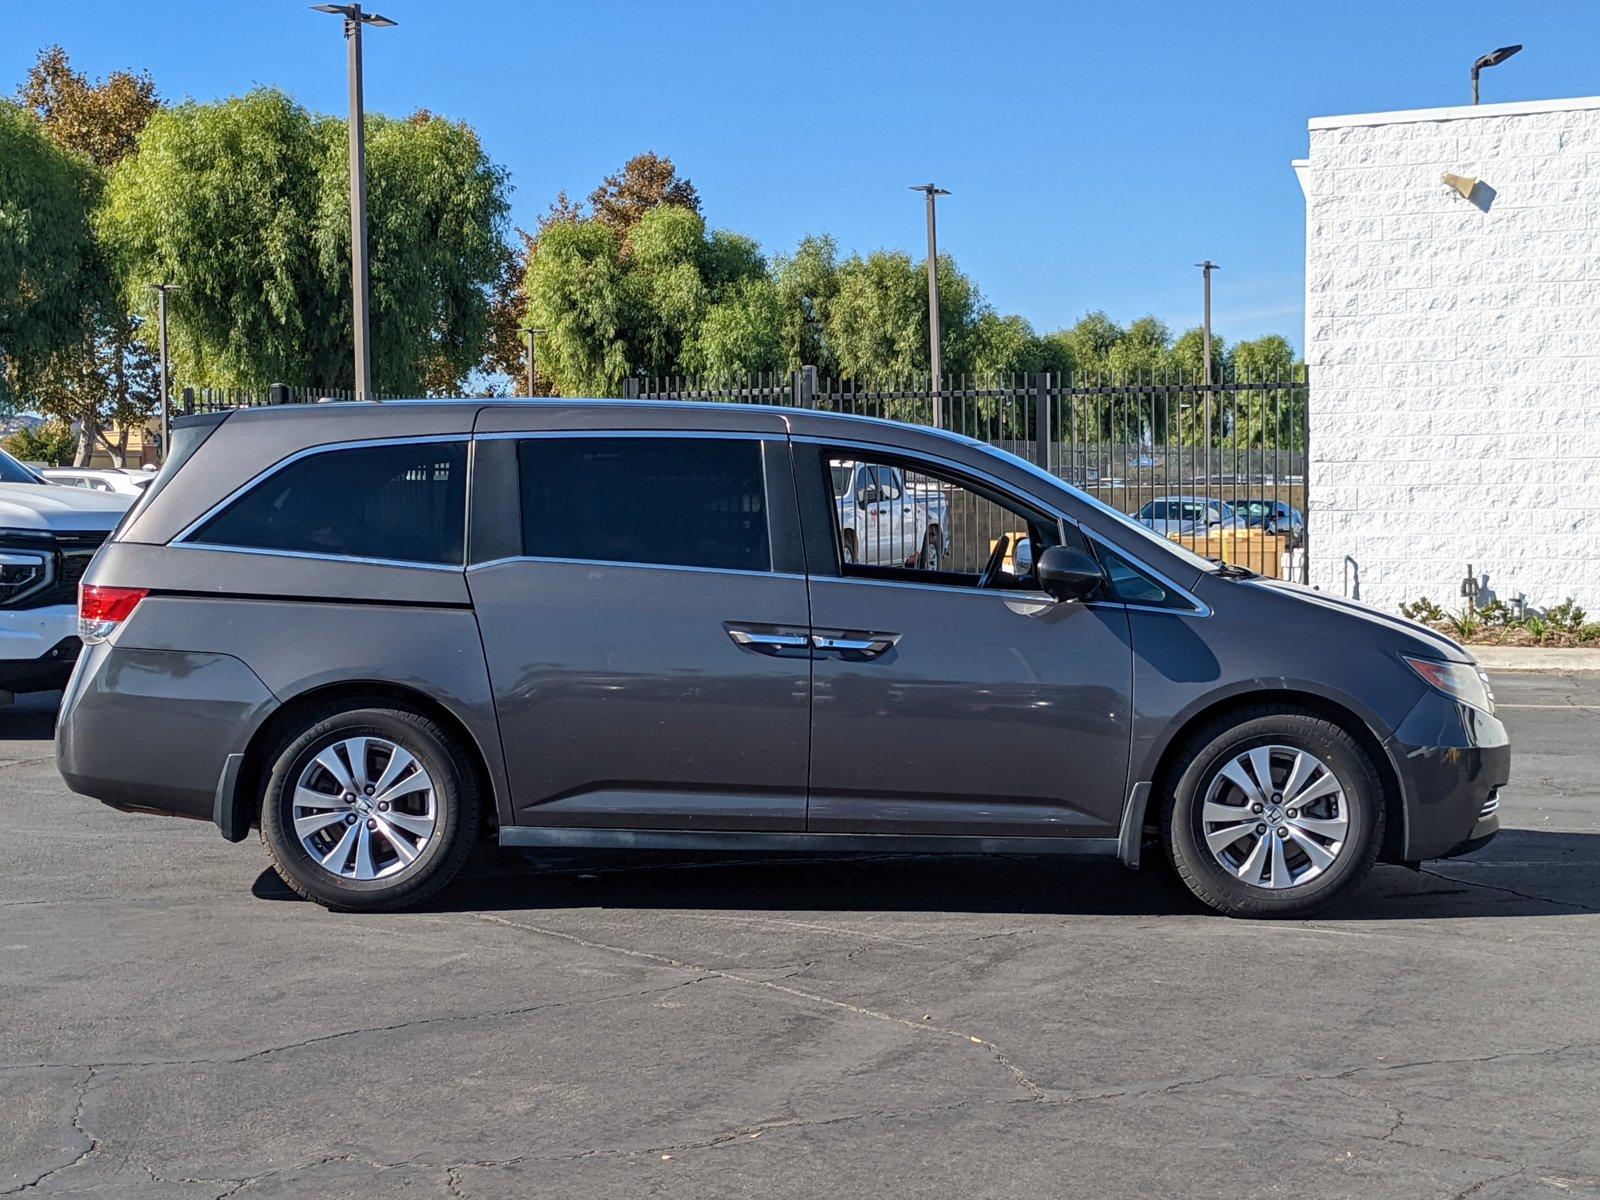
{"type": "Point", "coordinates": [364, 808]}
{"type": "Point", "coordinates": [1275, 817]}
{"type": "Point", "coordinates": [928, 559]}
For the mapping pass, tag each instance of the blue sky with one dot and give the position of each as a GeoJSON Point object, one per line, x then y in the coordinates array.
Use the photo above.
{"type": "Point", "coordinates": [1093, 151]}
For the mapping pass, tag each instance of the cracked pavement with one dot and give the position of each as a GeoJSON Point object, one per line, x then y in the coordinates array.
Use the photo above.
{"type": "Point", "coordinates": [178, 1024]}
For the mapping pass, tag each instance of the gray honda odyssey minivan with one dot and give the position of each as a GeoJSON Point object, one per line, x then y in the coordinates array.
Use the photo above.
{"type": "Point", "coordinates": [379, 632]}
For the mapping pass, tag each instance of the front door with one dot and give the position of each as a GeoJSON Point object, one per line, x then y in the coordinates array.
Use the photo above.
{"type": "Point", "coordinates": [647, 632]}
{"type": "Point", "coordinates": [961, 699]}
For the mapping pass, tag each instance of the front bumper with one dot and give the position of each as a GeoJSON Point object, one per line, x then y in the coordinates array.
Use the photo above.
{"type": "Point", "coordinates": [37, 647]}
{"type": "Point", "coordinates": [1452, 760]}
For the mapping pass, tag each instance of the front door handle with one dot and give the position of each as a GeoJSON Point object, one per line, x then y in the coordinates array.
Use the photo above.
{"type": "Point", "coordinates": [854, 645]}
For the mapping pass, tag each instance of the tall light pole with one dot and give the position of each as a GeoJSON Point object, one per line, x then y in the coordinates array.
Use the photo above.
{"type": "Point", "coordinates": [1492, 59]}
{"type": "Point", "coordinates": [1206, 267]}
{"type": "Point", "coordinates": [354, 19]}
{"type": "Point", "coordinates": [935, 366]}
{"type": "Point", "coordinates": [533, 362]}
{"type": "Point", "coordinates": [161, 290]}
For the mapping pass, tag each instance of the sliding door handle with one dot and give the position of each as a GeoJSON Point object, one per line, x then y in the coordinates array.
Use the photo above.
{"type": "Point", "coordinates": [864, 645]}
{"type": "Point", "coordinates": [767, 641]}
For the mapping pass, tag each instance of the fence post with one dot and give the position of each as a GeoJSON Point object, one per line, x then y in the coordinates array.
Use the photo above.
{"type": "Point", "coordinates": [278, 393]}
{"type": "Point", "coordinates": [188, 405]}
{"type": "Point", "coordinates": [1041, 419]}
{"type": "Point", "coordinates": [808, 387]}
{"type": "Point", "coordinates": [630, 387]}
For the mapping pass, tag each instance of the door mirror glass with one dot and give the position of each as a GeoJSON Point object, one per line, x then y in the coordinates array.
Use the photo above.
{"type": "Point", "coordinates": [1068, 574]}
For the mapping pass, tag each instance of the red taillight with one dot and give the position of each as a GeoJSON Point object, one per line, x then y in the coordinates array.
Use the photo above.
{"type": "Point", "coordinates": [101, 609]}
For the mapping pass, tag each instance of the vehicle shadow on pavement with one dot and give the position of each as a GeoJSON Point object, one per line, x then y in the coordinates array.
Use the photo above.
{"type": "Point", "coordinates": [1523, 873]}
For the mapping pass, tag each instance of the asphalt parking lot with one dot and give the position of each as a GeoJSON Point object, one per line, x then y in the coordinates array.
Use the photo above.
{"type": "Point", "coordinates": [177, 1024]}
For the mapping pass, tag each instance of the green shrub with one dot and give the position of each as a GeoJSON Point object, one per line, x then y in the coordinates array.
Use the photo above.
{"type": "Point", "coordinates": [1590, 632]}
{"type": "Point", "coordinates": [52, 443]}
{"type": "Point", "coordinates": [1497, 614]}
{"type": "Point", "coordinates": [1464, 623]}
{"type": "Point", "coordinates": [1539, 627]}
{"type": "Point", "coordinates": [1424, 610]}
{"type": "Point", "coordinates": [1566, 617]}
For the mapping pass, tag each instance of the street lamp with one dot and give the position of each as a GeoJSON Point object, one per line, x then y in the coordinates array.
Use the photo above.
{"type": "Point", "coordinates": [161, 290]}
{"type": "Point", "coordinates": [354, 19]}
{"type": "Point", "coordinates": [935, 370]}
{"type": "Point", "coordinates": [1492, 59]}
{"type": "Point", "coordinates": [533, 368]}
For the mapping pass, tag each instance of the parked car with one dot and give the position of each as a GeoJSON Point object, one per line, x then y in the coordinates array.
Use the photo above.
{"type": "Point", "coordinates": [375, 630]}
{"type": "Point", "coordinates": [1185, 516]}
{"type": "Point", "coordinates": [48, 534]}
{"type": "Point", "coordinates": [884, 521]}
{"type": "Point", "coordinates": [1273, 516]}
{"type": "Point", "coordinates": [119, 480]}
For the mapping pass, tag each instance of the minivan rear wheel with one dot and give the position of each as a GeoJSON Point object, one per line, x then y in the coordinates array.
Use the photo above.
{"type": "Point", "coordinates": [1273, 813]}
{"type": "Point", "coordinates": [369, 807]}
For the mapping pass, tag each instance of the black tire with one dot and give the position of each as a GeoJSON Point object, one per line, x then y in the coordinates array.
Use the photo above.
{"type": "Point", "coordinates": [1217, 745]}
{"type": "Point", "coordinates": [932, 551]}
{"type": "Point", "coordinates": [848, 549]}
{"type": "Point", "coordinates": [455, 800]}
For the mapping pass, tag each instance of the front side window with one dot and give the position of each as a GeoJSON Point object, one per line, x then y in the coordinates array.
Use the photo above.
{"type": "Point", "coordinates": [666, 501]}
{"type": "Point", "coordinates": [910, 521]}
{"type": "Point", "coordinates": [401, 502]}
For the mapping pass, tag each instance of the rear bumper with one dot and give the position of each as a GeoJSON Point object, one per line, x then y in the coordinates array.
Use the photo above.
{"type": "Point", "coordinates": [1452, 761]}
{"type": "Point", "coordinates": [153, 730]}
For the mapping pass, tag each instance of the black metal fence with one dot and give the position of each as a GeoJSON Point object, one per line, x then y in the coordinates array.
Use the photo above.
{"type": "Point", "coordinates": [1220, 466]}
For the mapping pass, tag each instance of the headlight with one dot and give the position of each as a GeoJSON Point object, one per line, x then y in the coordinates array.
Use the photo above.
{"type": "Point", "coordinates": [1459, 681]}
{"type": "Point", "coordinates": [22, 572]}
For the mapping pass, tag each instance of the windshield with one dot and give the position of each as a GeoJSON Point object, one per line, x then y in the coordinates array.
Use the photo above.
{"type": "Point", "coordinates": [841, 477]}
{"type": "Point", "coordinates": [11, 471]}
{"type": "Point", "coordinates": [1133, 527]}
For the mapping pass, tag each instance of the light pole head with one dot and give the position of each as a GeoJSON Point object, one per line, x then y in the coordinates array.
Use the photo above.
{"type": "Point", "coordinates": [1492, 59]}
{"type": "Point", "coordinates": [1208, 265]}
{"type": "Point", "coordinates": [929, 188]}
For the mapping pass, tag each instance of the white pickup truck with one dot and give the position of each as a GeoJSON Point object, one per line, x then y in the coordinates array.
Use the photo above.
{"type": "Point", "coordinates": [48, 534]}
{"type": "Point", "coordinates": [886, 521]}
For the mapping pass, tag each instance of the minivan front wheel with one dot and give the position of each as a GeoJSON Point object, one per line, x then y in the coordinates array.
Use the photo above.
{"type": "Point", "coordinates": [369, 808]}
{"type": "Point", "coordinates": [1273, 813]}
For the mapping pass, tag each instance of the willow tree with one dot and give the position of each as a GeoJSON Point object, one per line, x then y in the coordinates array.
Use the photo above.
{"type": "Point", "coordinates": [243, 204]}
{"type": "Point", "coordinates": [45, 246]}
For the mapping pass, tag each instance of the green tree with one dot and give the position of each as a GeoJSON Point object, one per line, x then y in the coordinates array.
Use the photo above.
{"type": "Point", "coordinates": [877, 322]}
{"type": "Point", "coordinates": [581, 294]}
{"type": "Point", "coordinates": [52, 443]}
{"type": "Point", "coordinates": [104, 380]}
{"type": "Point", "coordinates": [46, 245]}
{"type": "Point", "coordinates": [242, 204]}
{"type": "Point", "coordinates": [807, 283]}
{"type": "Point", "coordinates": [741, 334]}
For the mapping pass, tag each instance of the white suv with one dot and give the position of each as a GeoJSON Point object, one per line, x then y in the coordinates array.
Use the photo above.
{"type": "Point", "coordinates": [48, 534]}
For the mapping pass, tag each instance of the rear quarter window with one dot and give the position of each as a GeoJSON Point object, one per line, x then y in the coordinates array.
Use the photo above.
{"type": "Point", "coordinates": [398, 502]}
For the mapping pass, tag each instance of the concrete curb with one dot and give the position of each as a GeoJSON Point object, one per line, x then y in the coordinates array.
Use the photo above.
{"type": "Point", "coordinates": [1511, 659]}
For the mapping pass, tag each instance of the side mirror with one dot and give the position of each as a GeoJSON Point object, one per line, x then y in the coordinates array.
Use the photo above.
{"type": "Point", "coordinates": [870, 494]}
{"type": "Point", "coordinates": [1068, 574]}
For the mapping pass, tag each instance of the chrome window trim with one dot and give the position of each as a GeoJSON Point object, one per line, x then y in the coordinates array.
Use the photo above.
{"type": "Point", "coordinates": [408, 564]}
{"type": "Point", "coordinates": [520, 434]}
{"type": "Point", "coordinates": [642, 566]}
{"type": "Point", "coordinates": [1022, 594]}
{"type": "Point", "coordinates": [184, 536]}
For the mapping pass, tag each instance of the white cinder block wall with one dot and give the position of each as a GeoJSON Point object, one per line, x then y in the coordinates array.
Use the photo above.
{"type": "Point", "coordinates": [1454, 352]}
